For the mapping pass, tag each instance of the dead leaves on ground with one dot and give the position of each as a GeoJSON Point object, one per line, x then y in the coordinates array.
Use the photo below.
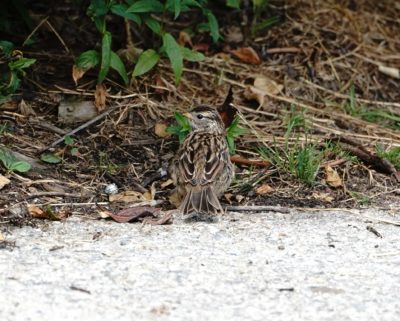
{"type": "Point", "coordinates": [262, 87]}
{"type": "Point", "coordinates": [248, 55]}
{"type": "Point", "coordinates": [332, 178]}
{"type": "Point", "coordinates": [47, 213]}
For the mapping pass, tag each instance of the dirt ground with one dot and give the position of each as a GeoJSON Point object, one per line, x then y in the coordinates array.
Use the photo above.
{"type": "Point", "coordinates": [311, 59]}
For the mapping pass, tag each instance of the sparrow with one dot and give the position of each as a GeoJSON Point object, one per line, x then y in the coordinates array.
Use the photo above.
{"type": "Point", "coordinates": [202, 169]}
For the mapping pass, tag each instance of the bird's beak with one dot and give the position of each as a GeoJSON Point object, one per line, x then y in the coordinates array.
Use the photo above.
{"type": "Point", "coordinates": [188, 115]}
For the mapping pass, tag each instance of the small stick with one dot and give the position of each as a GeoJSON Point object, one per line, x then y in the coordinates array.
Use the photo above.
{"type": "Point", "coordinates": [257, 208]}
{"type": "Point", "coordinates": [41, 194]}
{"type": "Point", "coordinates": [79, 128]}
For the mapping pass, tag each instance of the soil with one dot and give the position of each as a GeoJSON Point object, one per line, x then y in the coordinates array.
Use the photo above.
{"type": "Point", "coordinates": [316, 52]}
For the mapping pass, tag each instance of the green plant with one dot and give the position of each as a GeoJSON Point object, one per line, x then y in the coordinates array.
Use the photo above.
{"type": "Point", "coordinates": [144, 13]}
{"type": "Point", "coordinates": [56, 158]}
{"type": "Point", "coordinates": [392, 155]}
{"type": "Point", "coordinates": [301, 159]}
{"type": "Point", "coordinates": [371, 115]}
{"type": "Point", "coordinates": [12, 65]}
{"type": "Point", "coordinates": [183, 128]}
{"type": "Point", "coordinates": [11, 163]}
{"type": "Point", "coordinates": [258, 23]}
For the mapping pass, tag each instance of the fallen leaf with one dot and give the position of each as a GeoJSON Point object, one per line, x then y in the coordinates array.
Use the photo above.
{"type": "Point", "coordinates": [252, 93]}
{"type": "Point", "coordinates": [160, 129]}
{"type": "Point", "coordinates": [332, 178]}
{"type": "Point", "coordinates": [226, 109]}
{"type": "Point", "coordinates": [264, 189]}
{"type": "Point", "coordinates": [239, 198]}
{"type": "Point", "coordinates": [326, 197]}
{"type": "Point", "coordinates": [3, 181]}
{"type": "Point", "coordinates": [132, 213]}
{"type": "Point", "coordinates": [201, 47]}
{"type": "Point", "coordinates": [247, 54]}
{"type": "Point", "coordinates": [2, 238]}
{"type": "Point", "coordinates": [184, 38]}
{"type": "Point", "coordinates": [77, 73]}
{"type": "Point", "coordinates": [261, 87]}
{"type": "Point", "coordinates": [100, 96]}
{"type": "Point", "coordinates": [127, 197]}
{"type": "Point", "coordinates": [267, 85]}
{"type": "Point", "coordinates": [46, 213]}
{"type": "Point", "coordinates": [228, 197]}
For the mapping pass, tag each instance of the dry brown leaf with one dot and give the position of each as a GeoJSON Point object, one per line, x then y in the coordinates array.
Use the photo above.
{"type": "Point", "coordinates": [46, 213]}
{"type": "Point", "coordinates": [77, 73]}
{"type": "Point", "coordinates": [247, 54]}
{"type": "Point", "coordinates": [100, 96]}
{"type": "Point", "coordinates": [134, 213]}
{"type": "Point", "coordinates": [127, 197]}
{"type": "Point", "coordinates": [2, 238]}
{"type": "Point", "coordinates": [36, 212]}
{"type": "Point", "coordinates": [160, 129]}
{"type": "Point", "coordinates": [326, 197]}
{"type": "Point", "coordinates": [166, 219]}
{"type": "Point", "coordinates": [332, 178]}
{"type": "Point", "coordinates": [267, 85]}
{"type": "Point", "coordinates": [252, 93]}
{"type": "Point", "coordinates": [264, 189]}
{"type": "Point", "coordinates": [184, 38]}
{"type": "Point", "coordinates": [3, 181]}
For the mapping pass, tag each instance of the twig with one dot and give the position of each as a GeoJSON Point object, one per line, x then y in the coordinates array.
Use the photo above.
{"type": "Point", "coordinates": [79, 128]}
{"type": "Point", "coordinates": [244, 161]}
{"type": "Point", "coordinates": [48, 126]}
{"type": "Point", "coordinates": [258, 208]}
{"type": "Point", "coordinates": [42, 194]}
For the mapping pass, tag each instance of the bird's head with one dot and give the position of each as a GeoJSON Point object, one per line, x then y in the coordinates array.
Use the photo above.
{"type": "Point", "coordinates": [205, 119]}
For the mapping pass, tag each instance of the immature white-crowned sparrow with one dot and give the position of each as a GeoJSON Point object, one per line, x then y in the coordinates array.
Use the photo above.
{"type": "Point", "coordinates": [202, 169]}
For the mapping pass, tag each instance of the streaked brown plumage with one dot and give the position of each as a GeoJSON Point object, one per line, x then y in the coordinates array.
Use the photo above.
{"type": "Point", "coordinates": [202, 168]}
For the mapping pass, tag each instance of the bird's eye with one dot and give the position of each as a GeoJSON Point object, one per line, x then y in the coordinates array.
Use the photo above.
{"type": "Point", "coordinates": [199, 116]}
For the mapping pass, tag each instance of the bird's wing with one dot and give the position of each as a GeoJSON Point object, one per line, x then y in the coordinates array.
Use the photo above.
{"type": "Point", "coordinates": [201, 160]}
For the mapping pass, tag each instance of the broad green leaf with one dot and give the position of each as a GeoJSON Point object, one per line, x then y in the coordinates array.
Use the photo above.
{"type": "Point", "coordinates": [50, 158]}
{"type": "Point", "coordinates": [117, 64]}
{"type": "Point", "coordinates": [233, 3]}
{"type": "Point", "coordinates": [121, 10]}
{"type": "Point", "coordinates": [97, 10]}
{"type": "Point", "coordinates": [68, 140]}
{"type": "Point", "coordinates": [6, 47]}
{"type": "Point", "coordinates": [153, 24]}
{"type": "Point", "coordinates": [192, 55]}
{"type": "Point", "coordinates": [174, 53]}
{"type": "Point", "coordinates": [213, 23]}
{"type": "Point", "coordinates": [174, 6]}
{"type": "Point", "coordinates": [146, 6]}
{"type": "Point", "coordinates": [21, 63]}
{"type": "Point", "coordinates": [20, 166]}
{"type": "Point", "coordinates": [105, 57]}
{"type": "Point", "coordinates": [7, 158]}
{"type": "Point", "coordinates": [192, 3]}
{"type": "Point", "coordinates": [88, 59]}
{"type": "Point", "coordinates": [14, 83]}
{"type": "Point", "coordinates": [147, 60]}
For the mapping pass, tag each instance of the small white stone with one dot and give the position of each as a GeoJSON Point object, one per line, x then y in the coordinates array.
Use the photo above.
{"type": "Point", "coordinates": [111, 189]}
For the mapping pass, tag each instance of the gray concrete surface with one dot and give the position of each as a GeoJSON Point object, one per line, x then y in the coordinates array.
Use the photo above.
{"type": "Point", "coordinates": [298, 266]}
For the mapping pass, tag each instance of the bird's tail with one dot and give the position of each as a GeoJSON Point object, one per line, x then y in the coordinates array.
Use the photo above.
{"type": "Point", "coordinates": [204, 201]}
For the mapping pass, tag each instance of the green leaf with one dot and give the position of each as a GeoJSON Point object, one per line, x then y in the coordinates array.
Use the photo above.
{"type": "Point", "coordinates": [153, 24]}
{"type": "Point", "coordinates": [174, 6]}
{"type": "Point", "coordinates": [182, 128]}
{"type": "Point", "coordinates": [68, 140]}
{"type": "Point", "coordinates": [21, 63]}
{"type": "Point", "coordinates": [232, 132]}
{"type": "Point", "coordinates": [121, 10]}
{"type": "Point", "coordinates": [192, 3]}
{"type": "Point", "coordinates": [117, 64]}
{"type": "Point", "coordinates": [192, 55]}
{"type": "Point", "coordinates": [7, 48]}
{"type": "Point", "coordinates": [20, 166]}
{"type": "Point", "coordinates": [88, 59]}
{"type": "Point", "coordinates": [74, 151]}
{"type": "Point", "coordinates": [105, 57]}
{"type": "Point", "coordinates": [174, 54]}
{"type": "Point", "coordinates": [50, 158]}
{"type": "Point", "coordinates": [146, 6]}
{"type": "Point", "coordinates": [233, 3]}
{"type": "Point", "coordinates": [147, 60]}
{"type": "Point", "coordinates": [213, 23]}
